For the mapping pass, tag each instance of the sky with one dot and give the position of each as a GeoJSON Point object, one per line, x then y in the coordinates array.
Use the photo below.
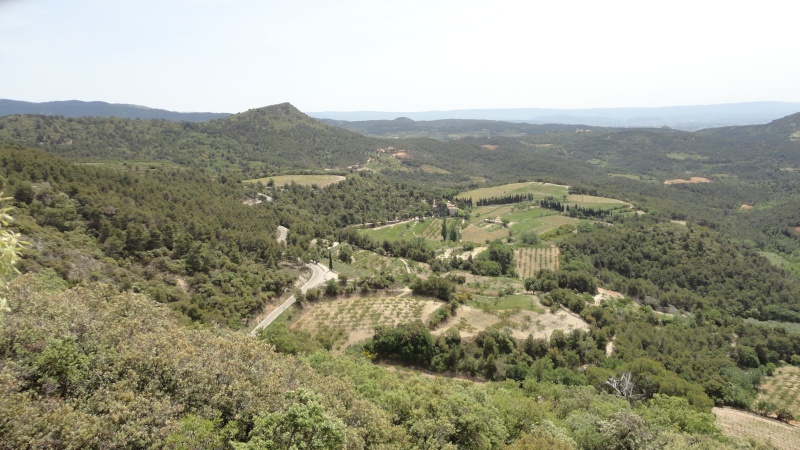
{"type": "Point", "coordinates": [409, 55]}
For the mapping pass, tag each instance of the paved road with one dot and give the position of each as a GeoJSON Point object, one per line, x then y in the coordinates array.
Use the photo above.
{"type": "Point", "coordinates": [282, 231]}
{"type": "Point", "coordinates": [319, 275]}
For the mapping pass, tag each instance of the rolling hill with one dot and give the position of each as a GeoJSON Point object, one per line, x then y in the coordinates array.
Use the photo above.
{"type": "Point", "coordinates": [77, 108]}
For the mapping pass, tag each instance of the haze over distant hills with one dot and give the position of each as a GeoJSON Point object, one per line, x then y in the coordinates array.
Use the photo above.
{"type": "Point", "coordinates": [77, 108]}
{"type": "Point", "coordinates": [678, 117]}
{"type": "Point", "coordinates": [687, 118]}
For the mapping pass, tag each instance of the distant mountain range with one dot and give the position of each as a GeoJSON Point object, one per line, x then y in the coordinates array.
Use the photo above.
{"type": "Point", "coordinates": [76, 108]}
{"type": "Point", "coordinates": [687, 118]}
{"type": "Point", "coordinates": [679, 117]}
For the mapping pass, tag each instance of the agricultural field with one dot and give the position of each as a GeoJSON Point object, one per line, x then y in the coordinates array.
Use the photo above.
{"type": "Point", "coordinates": [741, 424]}
{"type": "Point", "coordinates": [533, 187]}
{"type": "Point", "coordinates": [366, 263]}
{"type": "Point", "coordinates": [430, 229]}
{"type": "Point", "coordinates": [305, 180]}
{"type": "Point", "coordinates": [398, 231]}
{"type": "Point", "coordinates": [538, 320]}
{"type": "Point", "coordinates": [553, 222]}
{"type": "Point", "coordinates": [783, 389]}
{"type": "Point", "coordinates": [482, 232]}
{"type": "Point", "coordinates": [490, 212]}
{"type": "Point", "coordinates": [531, 260]}
{"type": "Point", "coordinates": [692, 180]}
{"type": "Point", "coordinates": [352, 320]}
{"type": "Point", "coordinates": [591, 201]}
{"type": "Point", "coordinates": [433, 231]}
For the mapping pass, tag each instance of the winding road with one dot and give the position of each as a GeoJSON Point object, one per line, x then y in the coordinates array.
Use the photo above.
{"type": "Point", "coordinates": [319, 275]}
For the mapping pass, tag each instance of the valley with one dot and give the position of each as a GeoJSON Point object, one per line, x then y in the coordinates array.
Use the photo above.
{"type": "Point", "coordinates": [542, 264]}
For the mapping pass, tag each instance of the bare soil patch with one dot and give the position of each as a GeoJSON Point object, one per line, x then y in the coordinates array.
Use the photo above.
{"type": "Point", "coordinates": [470, 321]}
{"type": "Point", "coordinates": [746, 207]}
{"type": "Point", "coordinates": [605, 294]}
{"type": "Point", "coordinates": [734, 422]}
{"type": "Point", "coordinates": [489, 146]}
{"type": "Point", "coordinates": [690, 180]}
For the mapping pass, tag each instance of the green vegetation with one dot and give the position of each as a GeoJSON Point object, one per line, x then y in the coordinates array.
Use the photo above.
{"type": "Point", "coordinates": [319, 181]}
{"type": "Point", "coordinates": [148, 212]}
{"type": "Point", "coordinates": [537, 189]}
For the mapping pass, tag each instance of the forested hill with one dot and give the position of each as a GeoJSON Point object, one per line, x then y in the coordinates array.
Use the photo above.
{"type": "Point", "coordinates": [781, 132]}
{"type": "Point", "coordinates": [257, 142]}
{"type": "Point", "coordinates": [446, 128]}
{"type": "Point", "coordinates": [76, 108]}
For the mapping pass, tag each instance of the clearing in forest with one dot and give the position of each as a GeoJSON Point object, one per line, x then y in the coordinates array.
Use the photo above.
{"type": "Point", "coordinates": [783, 389]}
{"type": "Point", "coordinates": [474, 318]}
{"type": "Point", "coordinates": [305, 180]}
{"type": "Point", "coordinates": [533, 187]}
{"type": "Point", "coordinates": [741, 424]}
{"type": "Point", "coordinates": [352, 320]}
{"type": "Point", "coordinates": [689, 181]}
{"type": "Point", "coordinates": [531, 260]}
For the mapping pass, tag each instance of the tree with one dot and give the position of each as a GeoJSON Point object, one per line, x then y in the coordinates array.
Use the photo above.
{"type": "Point", "coordinates": [444, 229]}
{"type": "Point", "coordinates": [346, 254]}
{"type": "Point", "coordinates": [625, 387]}
{"type": "Point", "coordinates": [303, 425]}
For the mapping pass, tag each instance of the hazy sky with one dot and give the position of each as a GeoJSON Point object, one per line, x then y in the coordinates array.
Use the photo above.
{"type": "Point", "coordinates": [409, 55]}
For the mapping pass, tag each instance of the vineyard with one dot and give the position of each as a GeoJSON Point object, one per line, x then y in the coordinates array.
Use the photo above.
{"type": "Point", "coordinates": [480, 233]}
{"type": "Point", "coordinates": [783, 389]}
{"type": "Point", "coordinates": [531, 260]}
{"type": "Point", "coordinates": [433, 231]}
{"type": "Point", "coordinates": [734, 422]}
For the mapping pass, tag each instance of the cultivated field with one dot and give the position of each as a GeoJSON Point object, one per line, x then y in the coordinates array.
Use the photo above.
{"type": "Point", "coordinates": [430, 229]}
{"type": "Point", "coordinates": [366, 263]}
{"type": "Point", "coordinates": [734, 422]}
{"type": "Point", "coordinates": [531, 260]}
{"type": "Point", "coordinates": [690, 180]}
{"type": "Point", "coordinates": [470, 320]}
{"type": "Point", "coordinates": [433, 231]}
{"type": "Point", "coordinates": [305, 180]}
{"type": "Point", "coordinates": [480, 232]}
{"type": "Point", "coordinates": [783, 389]}
{"type": "Point", "coordinates": [536, 188]}
{"type": "Point", "coordinates": [553, 222]}
{"type": "Point", "coordinates": [352, 320]}
{"type": "Point", "coordinates": [595, 202]}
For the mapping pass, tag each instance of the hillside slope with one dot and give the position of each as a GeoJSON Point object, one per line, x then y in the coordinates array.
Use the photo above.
{"type": "Point", "coordinates": [76, 108]}
{"type": "Point", "coordinates": [257, 142]}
